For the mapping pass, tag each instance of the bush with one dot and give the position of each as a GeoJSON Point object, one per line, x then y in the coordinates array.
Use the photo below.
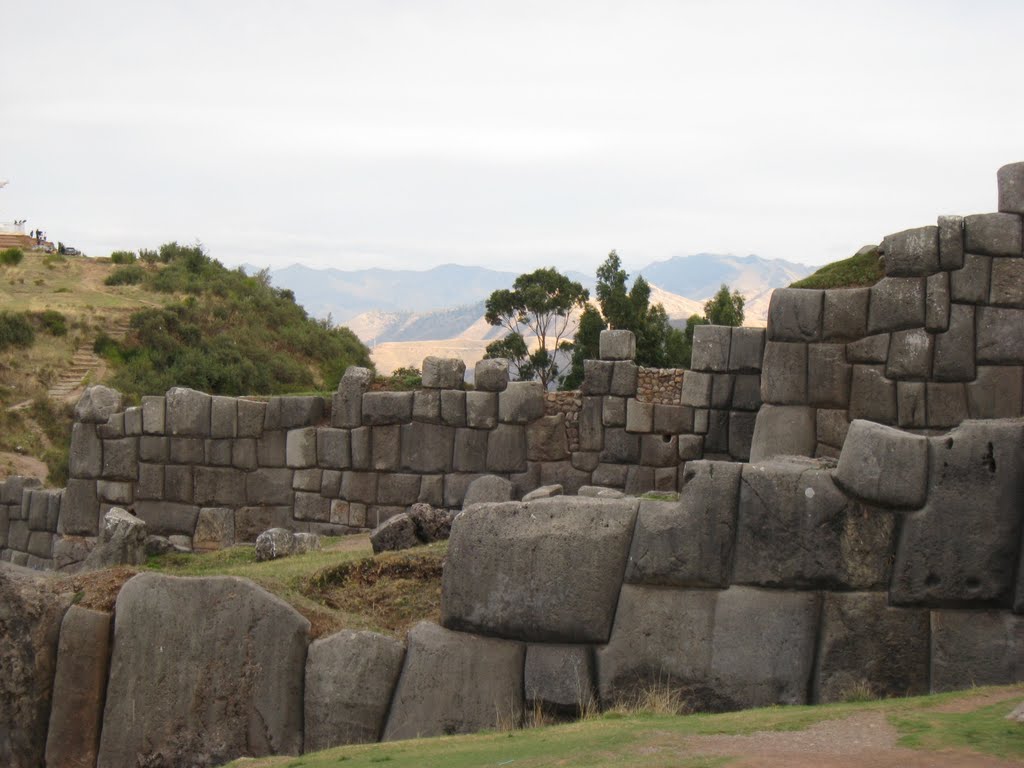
{"type": "Point", "coordinates": [15, 330]}
{"type": "Point", "coordinates": [130, 275]}
{"type": "Point", "coordinates": [53, 322]}
{"type": "Point", "coordinates": [11, 256]}
{"type": "Point", "coordinates": [149, 256]}
{"type": "Point", "coordinates": [123, 257]}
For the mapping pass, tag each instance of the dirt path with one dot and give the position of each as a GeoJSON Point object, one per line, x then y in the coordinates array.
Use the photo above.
{"type": "Point", "coordinates": [853, 742]}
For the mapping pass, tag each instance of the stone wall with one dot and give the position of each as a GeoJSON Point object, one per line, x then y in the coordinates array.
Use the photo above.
{"type": "Point", "coordinates": [219, 470]}
{"type": "Point", "coordinates": [896, 571]}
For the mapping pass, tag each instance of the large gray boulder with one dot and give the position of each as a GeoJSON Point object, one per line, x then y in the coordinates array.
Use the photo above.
{"type": "Point", "coordinates": [729, 649]}
{"type": "Point", "coordinates": [883, 465]}
{"type": "Point", "coordinates": [97, 404]}
{"type": "Point", "coordinates": [962, 547]}
{"type": "Point", "coordinates": [443, 373]}
{"type": "Point", "coordinates": [204, 670]}
{"type": "Point", "coordinates": [78, 687]}
{"type": "Point", "coordinates": [795, 529]}
{"type": "Point", "coordinates": [350, 677]}
{"type": "Point", "coordinates": [122, 542]}
{"type": "Point", "coordinates": [489, 488]}
{"type": "Point", "coordinates": [867, 646]}
{"type": "Point", "coordinates": [560, 678]}
{"type": "Point", "coordinates": [972, 648]}
{"type": "Point", "coordinates": [31, 612]}
{"type": "Point", "coordinates": [545, 571]}
{"type": "Point", "coordinates": [395, 533]}
{"type": "Point", "coordinates": [688, 543]}
{"type": "Point", "coordinates": [274, 544]}
{"type": "Point", "coordinates": [783, 430]}
{"type": "Point", "coordinates": [456, 683]}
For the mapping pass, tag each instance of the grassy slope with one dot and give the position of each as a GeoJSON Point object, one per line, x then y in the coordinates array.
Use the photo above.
{"type": "Point", "coordinates": [640, 739]}
{"type": "Point", "coordinates": [856, 271]}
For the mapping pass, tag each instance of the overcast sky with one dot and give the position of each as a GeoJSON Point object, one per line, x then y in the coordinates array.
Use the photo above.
{"type": "Point", "coordinates": [505, 134]}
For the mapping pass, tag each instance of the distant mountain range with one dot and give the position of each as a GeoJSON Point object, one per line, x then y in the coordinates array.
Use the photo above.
{"type": "Point", "coordinates": [407, 314]}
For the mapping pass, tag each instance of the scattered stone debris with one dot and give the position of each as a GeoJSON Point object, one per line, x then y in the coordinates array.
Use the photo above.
{"type": "Point", "coordinates": [280, 542]}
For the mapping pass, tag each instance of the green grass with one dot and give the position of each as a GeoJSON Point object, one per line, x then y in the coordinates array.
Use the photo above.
{"type": "Point", "coordinates": [340, 586]}
{"type": "Point", "coordinates": [856, 271]}
{"type": "Point", "coordinates": [642, 739]}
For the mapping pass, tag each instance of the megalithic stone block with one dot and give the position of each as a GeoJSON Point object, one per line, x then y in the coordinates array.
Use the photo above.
{"type": "Point", "coordinates": [911, 253]}
{"type": "Point", "coordinates": [884, 466]}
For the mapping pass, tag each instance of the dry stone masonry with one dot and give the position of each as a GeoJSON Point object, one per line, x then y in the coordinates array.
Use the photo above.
{"type": "Point", "coordinates": [849, 517]}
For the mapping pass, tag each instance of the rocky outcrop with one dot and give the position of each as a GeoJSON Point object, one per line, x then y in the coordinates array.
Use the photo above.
{"type": "Point", "coordinates": [203, 671]}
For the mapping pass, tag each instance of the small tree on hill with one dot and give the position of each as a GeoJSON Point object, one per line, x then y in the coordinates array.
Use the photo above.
{"type": "Point", "coordinates": [540, 304]}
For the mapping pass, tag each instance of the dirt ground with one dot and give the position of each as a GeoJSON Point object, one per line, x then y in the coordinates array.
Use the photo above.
{"type": "Point", "coordinates": [12, 464]}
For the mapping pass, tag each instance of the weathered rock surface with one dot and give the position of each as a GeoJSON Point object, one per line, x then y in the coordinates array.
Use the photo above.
{"type": "Point", "coordinates": [866, 646]}
{"type": "Point", "coordinates": [273, 544]}
{"type": "Point", "coordinates": [884, 466]}
{"type": "Point", "coordinates": [795, 529]}
{"type": "Point", "coordinates": [972, 648]}
{"type": "Point", "coordinates": [350, 677]}
{"type": "Point", "coordinates": [456, 683]}
{"type": "Point", "coordinates": [232, 654]}
{"type": "Point", "coordinates": [560, 678]}
{"type": "Point", "coordinates": [31, 612]}
{"type": "Point", "coordinates": [543, 571]}
{"type": "Point", "coordinates": [122, 542]}
{"type": "Point", "coordinates": [688, 543]}
{"type": "Point", "coordinates": [78, 688]}
{"type": "Point", "coordinates": [976, 475]}
{"type": "Point", "coordinates": [489, 488]}
{"type": "Point", "coordinates": [97, 404]}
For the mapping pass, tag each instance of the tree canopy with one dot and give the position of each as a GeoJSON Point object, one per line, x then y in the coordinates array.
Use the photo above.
{"type": "Point", "coordinates": [724, 308]}
{"type": "Point", "coordinates": [658, 344]}
{"type": "Point", "coordinates": [540, 307]}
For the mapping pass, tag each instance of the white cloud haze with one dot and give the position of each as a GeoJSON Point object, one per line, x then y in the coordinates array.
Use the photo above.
{"type": "Point", "coordinates": [506, 134]}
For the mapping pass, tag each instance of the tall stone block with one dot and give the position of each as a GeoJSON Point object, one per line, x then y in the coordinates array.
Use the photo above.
{"type": "Point", "coordinates": [896, 303]}
{"type": "Point", "coordinates": [617, 345]}
{"type": "Point", "coordinates": [795, 314]}
{"type": "Point", "coordinates": [188, 412]}
{"type": "Point", "coordinates": [347, 403]}
{"type": "Point", "coordinates": [711, 347]}
{"type": "Point", "coordinates": [784, 375]}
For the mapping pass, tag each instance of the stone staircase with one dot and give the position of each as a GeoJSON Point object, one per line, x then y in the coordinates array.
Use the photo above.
{"type": "Point", "coordinates": [85, 361]}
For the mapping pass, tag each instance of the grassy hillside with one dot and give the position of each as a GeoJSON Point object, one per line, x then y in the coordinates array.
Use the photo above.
{"type": "Point", "coordinates": [956, 729]}
{"type": "Point", "coordinates": [861, 269]}
{"type": "Point", "coordinates": [174, 317]}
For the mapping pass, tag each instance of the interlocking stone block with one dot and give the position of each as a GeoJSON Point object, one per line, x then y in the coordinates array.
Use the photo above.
{"type": "Point", "coordinates": [912, 253]}
{"type": "Point", "coordinates": [688, 543]}
{"type": "Point", "coordinates": [453, 407]}
{"type": "Point", "coordinates": [1010, 180]}
{"type": "Point", "coordinates": [996, 393]}
{"type": "Point", "coordinates": [783, 430]}
{"type": "Point", "coordinates": [470, 450]}
{"type": "Point", "coordinates": [746, 349]}
{"type": "Point", "coordinates": [359, 486]}
{"type": "Point", "coordinates": [215, 529]}
{"type": "Point", "coordinates": [951, 242]}
{"type": "Point", "coordinates": [167, 518]}
{"type": "Point", "coordinates": [617, 345]}
{"type": "Point", "coordinates": [597, 377]}
{"type": "Point", "coordinates": [741, 434]}
{"type": "Point", "coordinates": [896, 303]}
{"type": "Point", "coordinates": [521, 402]}
{"type": "Point", "coordinates": [784, 375]}
{"type": "Point", "coordinates": [845, 314]}
{"type": "Point", "coordinates": [613, 412]}
{"type": "Point", "coordinates": [911, 401]}
{"type": "Point", "coordinates": [512, 571]}
{"type": "Point", "coordinates": [223, 417]}
{"type": "Point", "coordinates": [795, 314]}
{"type": "Point", "coordinates": [947, 404]}
{"type": "Point", "coordinates": [711, 348]}
{"type": "Point", "coordinates": [455, 683]}
{"type": "Point", "coordinates": [962, 546]}
{"type": "Point", "coordinates": [560, 678]}
{"type": "Point", "coordinates": [721, 390]}
{"type": "Point", "coordinates": [970, 285]}
{"type": "Point", "coordinates": [884, 466]}
{"type": "Point", "coordinates": [153, 415]}
{"type": "Point", "coordinates": [85, 459]}
{"type": "Point", "coordinates": [872, 395]}
{"type": "Point", "coordinates": [427, 447]}
{"type": "Point", "coordinates": [993, 234]}
{"type": "Point", "coordinates": [832, 427]}
{"type": "Point", "coordinates": [491, 375]}
{"type": "Point", "coordinates": [670, 419]}
{"type": "Point", "coordinates": [293, 411]}
{"type": "Point", "coordinates": [639, 416]}
{"type": "Point", "coordinates": [620, 447]}
{"type": "Point", "coordinates": [1000, 336]}
{"type": "Point", "coordinates": [624, 376]}
{"type": "Point", "coordinates": [955, 349]}
{"type": "Point", "coordinates": [546, 439]}
{"type": "Point", "coordinates": [1007, 288]}
{"type": "Point", "coordinates": [386, 441]}
{"type": "Point", "coordinates": [828, 375]}
{"type": "Point", "coordinates": [746, 393]}
{"type": "Point", "coordinates": [97, 404]}
{"type": "Point", "coordinates": [659, 450]}
{"type": "Point", "coordinates": [937, 302]}
{"type": "Point", "coordinates": [797, 530]}
{"type": "Point", "coordinates": [333, 449]}
{"type": "Point", "coordinates": [220, 487]}
{"type": "Point", "coordinates": [910, 355]}
{"type": "Point", "coordinates": [300, 447]}
{"type": "Point", "coordinates": [865, 644]}
{"type": "Point", "coordinates": [870, 349]}
{"type": "Point", "coordinates": [387, 407]}
{"type": "Point", "coordinates": [696, 390]}
{"type": "Point", "coordinates": [444, 373]}
{"type": "Point", "coordinates": [188, 412]}
{"type": "Point", "coordinates": [350, 677]}
{"type": "Point", "coordinates": [251, 416]}
{"type": "Point", "coordinates": [482, 410]}
{"type": "Point", "coordinates": [269, 487]}
{"type": "Point", "coordinates": [426, 406]}
{"type": "Point", "coordinates": [506, 448]}
{"type": "Point", "coordinates": [347, 403]}
{"type": "Point", "coordinates": [589, 426]}
{"type": "Point", "coordinates": [79, 510]}
{"type": "Point", "coordinates": [971, 648]}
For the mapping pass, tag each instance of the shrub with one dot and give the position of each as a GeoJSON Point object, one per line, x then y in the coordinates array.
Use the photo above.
{"type": "Point", "coordinates": [53, 322]}
{"type": "Point", "coordinates": [123, 257]}
{"type": "Point", "coordinates": [11, 256]}
{"type": "Point", "coordinates": [149, 256]}
{"type": "Point", "coordinates": [15, 330]}
{"type": "Point", "coordinates": [129, 275]}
